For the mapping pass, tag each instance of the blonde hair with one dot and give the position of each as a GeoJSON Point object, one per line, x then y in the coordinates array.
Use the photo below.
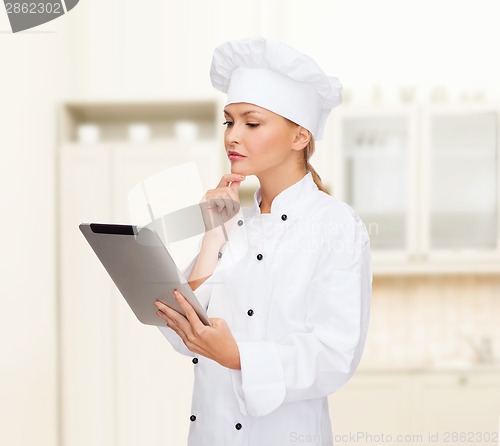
{"type": "Point", "coordinates": [308, 152]}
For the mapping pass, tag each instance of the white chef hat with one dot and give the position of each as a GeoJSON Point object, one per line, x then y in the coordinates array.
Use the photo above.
{"type": "Point", "coordinates": [277, 77]}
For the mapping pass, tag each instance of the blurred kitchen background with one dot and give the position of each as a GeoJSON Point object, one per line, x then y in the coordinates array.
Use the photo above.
{"type": "Point", "coordinates": [115, 91]}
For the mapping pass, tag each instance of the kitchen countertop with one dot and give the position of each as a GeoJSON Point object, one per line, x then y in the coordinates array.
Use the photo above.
{"type": "Point", "coordinates": [450, 367]}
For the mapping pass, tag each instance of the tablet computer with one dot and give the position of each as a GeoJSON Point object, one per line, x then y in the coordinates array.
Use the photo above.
{"type": "Point", "coordinates": [142, 269]}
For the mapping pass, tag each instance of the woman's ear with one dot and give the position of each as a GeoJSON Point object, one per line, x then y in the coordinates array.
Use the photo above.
{"type": "Point", "coordinates": [302, 137]}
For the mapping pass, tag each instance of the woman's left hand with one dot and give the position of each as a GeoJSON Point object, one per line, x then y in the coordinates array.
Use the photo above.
{"type": "Point", "coordinates": [215, 342]}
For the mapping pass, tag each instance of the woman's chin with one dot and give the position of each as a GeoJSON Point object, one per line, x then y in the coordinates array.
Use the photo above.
{"type": "Point", "coordinates": [241, 171]}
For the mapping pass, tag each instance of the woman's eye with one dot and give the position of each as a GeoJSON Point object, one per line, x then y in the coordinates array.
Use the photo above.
{"type": "Point", "coordinates": [253, 125]}
{"type": "Point", "coordinates": [228, 123]}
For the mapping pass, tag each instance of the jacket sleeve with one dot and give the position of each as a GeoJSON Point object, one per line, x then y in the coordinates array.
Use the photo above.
{"type": "Point", "coordinates": [319, 360]}
{"type": "Point", "coordinates": [202, 293]}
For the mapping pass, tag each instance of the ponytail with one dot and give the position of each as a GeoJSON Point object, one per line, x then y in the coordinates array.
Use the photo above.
{"type": "Point", "coordinates": [308, 152]}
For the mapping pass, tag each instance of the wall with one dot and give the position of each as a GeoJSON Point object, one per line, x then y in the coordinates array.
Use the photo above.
{"type": "Point", "coordinates": [28, 318]}
{"type": "Point", "coordinates": [416, 320]}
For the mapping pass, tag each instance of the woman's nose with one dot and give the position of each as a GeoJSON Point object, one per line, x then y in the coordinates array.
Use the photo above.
{"type": "Point", "coordinates": [233, 134]}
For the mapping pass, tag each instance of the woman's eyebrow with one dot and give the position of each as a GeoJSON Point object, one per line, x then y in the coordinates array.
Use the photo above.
{"type": "Point", "coordinates": [244, 113]}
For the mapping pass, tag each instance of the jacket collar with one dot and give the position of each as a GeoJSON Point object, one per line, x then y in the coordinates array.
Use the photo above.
{"type": "Point", "coordinates": [289, 198]}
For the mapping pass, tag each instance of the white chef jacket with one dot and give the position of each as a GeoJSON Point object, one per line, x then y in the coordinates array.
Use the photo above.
{"type": "Point", "coordinates": [294, 287]}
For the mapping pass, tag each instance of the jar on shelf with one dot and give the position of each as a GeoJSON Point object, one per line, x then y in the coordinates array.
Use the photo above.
{"type": "Point", "coordinates": [88, 133]}
{"type": "Point", "coordinates": [139, 132]}
{"type": "Point", "coordinates": [186, 130]}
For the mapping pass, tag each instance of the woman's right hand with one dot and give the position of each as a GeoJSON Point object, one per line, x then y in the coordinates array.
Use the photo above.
{"type": "Point", "coordinates": [219, 206]}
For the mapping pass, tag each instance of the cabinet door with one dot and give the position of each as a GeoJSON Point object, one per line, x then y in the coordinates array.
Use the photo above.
{"type": "Point", "coordinates": [122, 381]}
{"type": "Point", "coordinates": [458, 408]}
{"type": "Point", "coordinates": [87, 303]}
{"type": "Point", "coordinates": [376, 174]}
{"type": "Point", "coordinates": [370, 408]}
{"type": "Point", "coordinates": [461, 184]}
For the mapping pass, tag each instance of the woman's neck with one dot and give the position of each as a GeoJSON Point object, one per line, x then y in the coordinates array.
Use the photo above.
{"type": "Point", "coordinates": [271, 187]}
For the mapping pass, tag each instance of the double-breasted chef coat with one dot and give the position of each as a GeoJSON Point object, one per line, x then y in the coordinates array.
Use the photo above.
{"type": "Point", "coordinates": [295, 292]}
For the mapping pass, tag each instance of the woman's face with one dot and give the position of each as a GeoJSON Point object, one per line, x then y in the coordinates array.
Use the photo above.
{"type": "Point", "coordinates": [263, 138]}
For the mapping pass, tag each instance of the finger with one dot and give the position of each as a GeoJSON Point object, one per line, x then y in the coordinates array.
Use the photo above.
{"type": "Point", "coordinates": [180, 324]}
{"type": "Point", "coordinates": [212, 198]}
{"type": "Point", "coordinates": [231, 203]}
{"type": "Point", "coordinates": [217, 215]}
{"type": "Point", "coordinates": [160, 312]}
{"type": "Point", "coordinates": [229, 181]}
{"type": "Point", "coordinates": [235, 186]}
{"type": "Point", "coordinates": [233, 192]}
{"type": "Point", "coordinates": [229, 177]}
{"type": "Point", "coordinates": [167, 320]}
{"type": "Point", "coordinates": [220, 198]}
{"type": "Point", "coordinates": [216, 203]}
{"type": "Point", "coordinates": [164, 308]}
{"type": "Point", "coordinates": [174, 316]}
{"type": "Point", "coordinates": [192, 346]}
{"type": "Point", "coordinates": [228, 202]}
{"type": "Point", "coordinates": [191, 315]}
{"type": "Point", "coordinates": [181, 329]}
{"type": "Point", "coordinates": [221, 204]}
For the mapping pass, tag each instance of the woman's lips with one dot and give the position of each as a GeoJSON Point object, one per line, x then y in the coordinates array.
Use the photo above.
{"type": "Point", "coordinates": [234, 156]}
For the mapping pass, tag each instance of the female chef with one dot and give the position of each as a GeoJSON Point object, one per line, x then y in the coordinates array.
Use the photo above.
{"type": "Point", "coordinates": [286, 282]}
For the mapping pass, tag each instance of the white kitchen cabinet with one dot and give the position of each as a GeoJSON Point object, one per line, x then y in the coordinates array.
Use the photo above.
{"type": "Point", "coordinates": [123, 384]}
{"type": "Point", "coordinates": [119, 376]}
{"type": "Point", "coordinates": [460, 182]}
{"type": "Point", "coordinates": [440, 407]}
{"type": "Point", "coordinates": [376, 172]}
{"type": "Point", "coordinates": [86, 302]}
{"type": "Point", "coordinates": [370, 404]}
{"type": "Point", "coordinates": [458, 408]}
{"type": "Point", "coordinates": [425, 182]}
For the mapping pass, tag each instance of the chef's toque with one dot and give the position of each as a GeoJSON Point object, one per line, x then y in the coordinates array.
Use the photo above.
{"type": "Point", "coordinates": [277, 77]}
